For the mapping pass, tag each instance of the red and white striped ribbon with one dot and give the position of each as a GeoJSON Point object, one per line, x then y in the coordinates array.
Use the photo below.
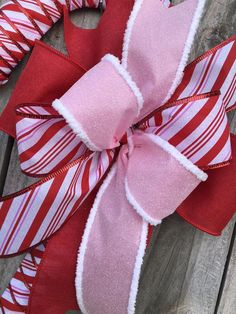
{"type": "Point", "coordinates": [199, 129]}
{"type": "Point", "coordinates": [34, 214]}
{"type": "Point", "coordinates": [56, 146]}
{"type": "Point", "coordinates": [15, 298]}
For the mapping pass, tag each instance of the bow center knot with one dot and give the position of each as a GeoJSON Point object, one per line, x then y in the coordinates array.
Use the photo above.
{"type": "Point", "coordinates": [124, 139]}
{"type": "Point", "coordinates": [102, 105]}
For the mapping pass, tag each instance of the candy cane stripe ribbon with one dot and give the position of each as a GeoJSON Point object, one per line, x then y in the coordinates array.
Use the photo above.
{"type": "Point", "coordinates": [24, 21]}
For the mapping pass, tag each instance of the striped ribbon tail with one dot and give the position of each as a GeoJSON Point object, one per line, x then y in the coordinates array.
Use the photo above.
{"type": "Point", "coordinates": [32, 215]}
{"type": "Point", "coordinates": [24, 21]}
{"type": "Point", "coordinates": [213, 71]}
{"type": "Point", "coordinates": [16, 297]}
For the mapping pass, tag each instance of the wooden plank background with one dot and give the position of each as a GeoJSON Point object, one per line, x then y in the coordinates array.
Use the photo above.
{"type": "Point", "coordinates": [185, 271]}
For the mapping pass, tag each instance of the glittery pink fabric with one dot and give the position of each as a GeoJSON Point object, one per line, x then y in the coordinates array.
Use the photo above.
{"type": "Point", "coordinates": [156, 181]}
{"type": "Point", "coordinates": [102, 101]}
{"type": "Point", "coordinates": [160, 184]}
{"type": "Point", "coordinates": [103, 105]}
{"type": "Point", "coordinates": [107, 274]}
{"type": "Point", "coordinates": [156, 48]}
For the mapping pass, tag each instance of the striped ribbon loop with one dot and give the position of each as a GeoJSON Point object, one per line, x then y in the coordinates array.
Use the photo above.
{"type": "Point", "coordinates": [199, 128]}
{"type": "Point", "coordinates": [45, 141]}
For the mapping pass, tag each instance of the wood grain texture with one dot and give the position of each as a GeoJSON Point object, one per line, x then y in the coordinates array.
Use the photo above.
{"type": "Point", "coordinates": [183, 267]}
{"type": "Point", "coordinates": [228, 298]}
{"type": "Point", "coordinates": [182, 270]}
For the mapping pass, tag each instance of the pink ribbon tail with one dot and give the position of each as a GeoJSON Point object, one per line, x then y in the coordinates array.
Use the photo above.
{"type": "Point", "coordinates": [114, 241]}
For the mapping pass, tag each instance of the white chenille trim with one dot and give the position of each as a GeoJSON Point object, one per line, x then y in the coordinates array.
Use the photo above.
{"type": "Point", "coordinates": [85, 238]}
{"type": "Point", "coordinates": [128, 32]}
{"type": "Point", "coordinates": [166, 146]}
{"type": "Point", "coordinates": [138, 207]}
{"type": "Point", "coordinates": [187, 48]}
{"type": "Point", "coordinates": [137, 269]}
{"type": "Point", "coordinates": [166, 3]}
{"type": "Point", "coordinates": [184, 59]}
{"type": "Point", "coordinates": [74, 124]}
{"type": "Point", "coordinates": [127, 77]}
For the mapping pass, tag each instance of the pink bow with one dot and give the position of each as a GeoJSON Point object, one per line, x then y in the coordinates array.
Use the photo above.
{"type": "Point", "coordinates": [155, 168]}
{"type": "Point", "coordinates": [114, 240]}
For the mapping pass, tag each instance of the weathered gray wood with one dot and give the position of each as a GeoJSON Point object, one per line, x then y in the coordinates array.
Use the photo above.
{"type": "Point", "coordinates": [232, 121]}
{"type": "Point", "coordinates": [182, 270]}
{"type": "Point", "coordinates": [228, 299]}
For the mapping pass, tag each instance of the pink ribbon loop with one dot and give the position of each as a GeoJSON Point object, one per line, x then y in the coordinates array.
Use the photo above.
{"type": "Point", "coordinates": [127, 200]}
{"type": "Point", "coordinates": [101, 117]}
{"type": "Point", "coordinates": [154, 164]}
{"type": "Point", "coordinates": [114, 241]}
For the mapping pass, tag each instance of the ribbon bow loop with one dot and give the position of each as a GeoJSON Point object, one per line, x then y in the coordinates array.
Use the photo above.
{"type": "Point", "coordinates": [155, 165]}
{"type": "Point", "coordinates": [102, 116]}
